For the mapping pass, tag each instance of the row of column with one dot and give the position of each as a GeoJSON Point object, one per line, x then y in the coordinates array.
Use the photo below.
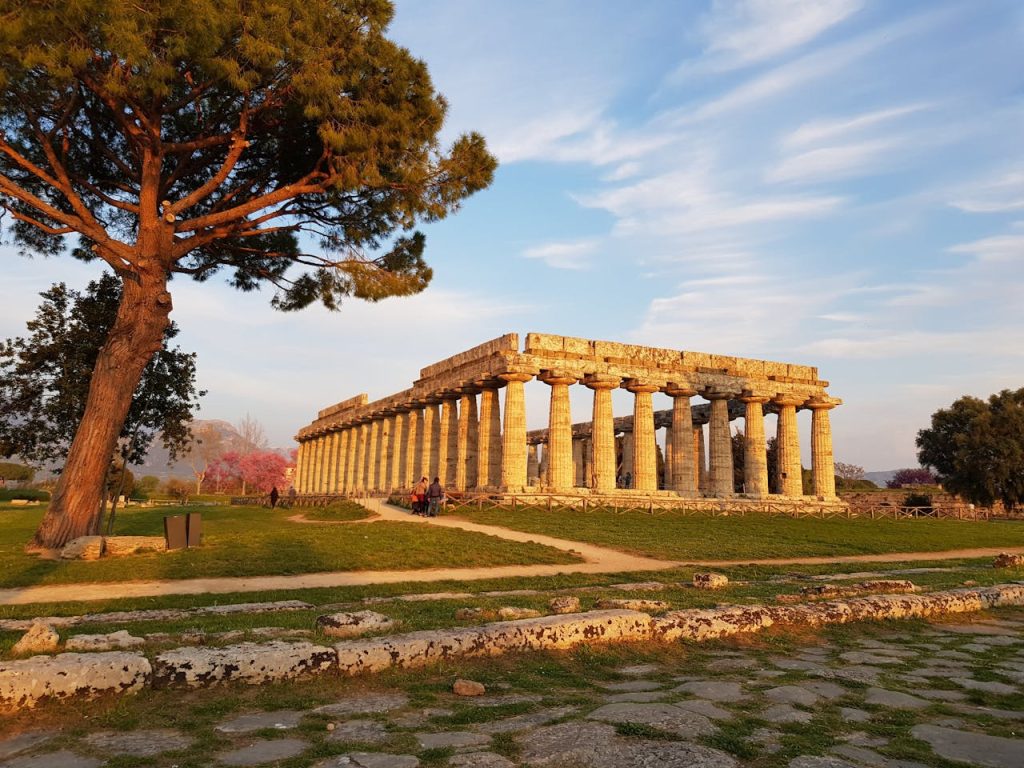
{"type": "Point", "coordinates": [449, 438]}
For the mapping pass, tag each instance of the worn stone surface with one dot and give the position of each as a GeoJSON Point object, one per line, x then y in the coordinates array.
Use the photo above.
{"type": "Point", "coordinates": [511, 613]}
{"type": "Point", "coordinates": [988, 686]}
{"type": "Point", "coordinates": [632, 686]}
{"type": "Point", "coordinates": [894, 699]}
{"type": "Point", "coordinates": [468, 688]}
{"type": "Point", "coordinates": [83, 548]}
{"type": "Point", "coordinates": [632, 604]}
{"type": "Point", "coordinates": [114, 641]}
{"type": "Point", "coordinates": [564, 604]}
{"type": "Point", "coordinates": [525, 722]}
{"type": "Point", "coordinates": [23, 742]}
{"type": "Point", "coordinates": [706, 708]}
{"type": "Point", "coordinates": [40, 638]}
{"type": "Point", "coordinates": [713, 690]}
{"type": "Point", "coordinates": [969, 747]}
{"type": "Point", "coordinates": [819, 761]}
{"type": "Point", "coordinates": [1008, 560]}
{"type": "Point", "coordinates": [252, 663]}
{"type": "Point", "coordinates": [353, 624]}
{"type": "Point", "coordinates": [281, 720]}
{"type": "Point", "coordinates": [453, 739]}
{"type": "Point", "coordinates": [791, 694]}
{"type": "Point", "coordinates": [639, 586]}
{"type": "Point", "coordinates": [144, 743]}
{"type": "Point", "coordinates": [665, 716]}
{"type": "Point", "coordinates": [710, 580]}
{"type": "Point", "coordinates": [480, 760]}
{"type": "Point", "coordinates": [369, 760]}
{"type": "Point", "coordinates": [121, 546]}
{"type": "Point", "coordinates": [25, 683]}
{"type": "Point", "coordinates": [370, 703]}
{"type": "Point", "coordinates": [264, 751]}
{"type": "Point", "coordinates": [361, 731]}
{"type": "Point", "coordinates": [62, 759]}
{"type": "Point", "coordinates": [785, 713]}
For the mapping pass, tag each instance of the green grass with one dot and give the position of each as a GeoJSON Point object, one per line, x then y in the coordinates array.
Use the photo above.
{"type": "Point", "coordinates": [253, 541]}
{"type": "Point", "coordinates": [673, 535]}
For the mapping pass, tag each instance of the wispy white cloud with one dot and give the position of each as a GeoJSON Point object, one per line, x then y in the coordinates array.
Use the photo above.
{"type": "Point", "coordinates": [816, 131]}
{"type": "Point", "coordinates": [1001, 193]}
{"type": "Point", "coordinates": [836, 162]}
{"type": "Point", "coordinates": [995, 249]}
{"type": "Point", "coordinates": [737, 33]}
{"type": "Point", "coordinates": [574, 255]}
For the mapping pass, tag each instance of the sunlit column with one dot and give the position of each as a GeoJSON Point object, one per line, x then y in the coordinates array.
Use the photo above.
{"type": "Point", "coordinates": [577, 462]}
{"type": "Point", "coordinates": [342, 460]}
{"type": "Point", "coordinates": [787, 442]}
{"type": "Point", "coordinates": [358, 480]}
{"type": "Point", "coordinates": [720, 474]}
{"type": "Point", "coordinates": [700, 458]}
{"type": "Point", "coordinates": [681, 461]}
{"type": "Point", "coordinates": [559, 463]}
{"type": "Point", "coordinates": [466, 442]}
{"type": "Point", "coordinates": [372, 448]}
{"type": "Point", "coordinates": [449, 458]}
{"type": "Point", "coordinates": [432, 439]}
{"type": "Point", "coordinates": [533, 465]}
{"type": "Point", "coordinates": [408, 471]}
{"type": "Point", "coordinates": [822, 460]}
{"type": "Point", "coordinates": [488, 449]}
{"type": "Point", "coordinates": [645, 467]}
{"type": "Point", "coordinates": [513, 446]}
{"type": "Point", "coordinates": [318, 456]}
{"type": "Point", "coordinates": [395, 443]}
{"type": "Point", "coordinates": [755, 456]}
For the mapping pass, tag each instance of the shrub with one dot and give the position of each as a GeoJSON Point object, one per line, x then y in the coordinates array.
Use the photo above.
{"type": "Point", "coordinates": [921, 501]}
{"type": "Point", "coordinates": [28, 494]}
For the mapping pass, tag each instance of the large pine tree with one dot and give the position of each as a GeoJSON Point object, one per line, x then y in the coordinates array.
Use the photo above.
{"type": "Point", "coordinates": [288, 142]}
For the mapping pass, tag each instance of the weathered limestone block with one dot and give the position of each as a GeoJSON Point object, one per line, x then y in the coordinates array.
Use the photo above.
{"type": "Point", "coordinates": [83, 548]}
{"type": "Point", "coordinates": [563, 605]}
{"type": "Point", "coordinates": [1007, 560]}
{"type": "Point", "coordinates": [25, 683]}
{"type": "Point", "coordinates": [639, 586]}
{"type": "Point", "coordinates": [710, 580]}
{"type": "Point", "coordinates": [120, 546]}
{"type": "Point", "coordinates": [353, 624]}
{"type": "Point", "coordinates": [546, 633]}
{"type": "Point", "coordinates": [113, 641]}
{"type": "Point", "coordinates": [468, 688]}
{"type": "Point", "coordinates": [832, 591]}
{"type": "Point", "coordinates": [252, 663]}
{"type": "Point", "coordinates": [510, 613]}
{"type": "Point", "coordinates": [470, 614]}
{"type": "Point", "coordinates": [634, 605]}
{"type": "Point", "coordinates": [40, 638]}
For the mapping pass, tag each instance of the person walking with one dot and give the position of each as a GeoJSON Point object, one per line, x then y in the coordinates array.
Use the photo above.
{"type": "Point", "coordinates": [274, 496]}
{"type": "Point", "coordinates": [435, 495]}
{"type": "Point", "coordinates": [419, 497]}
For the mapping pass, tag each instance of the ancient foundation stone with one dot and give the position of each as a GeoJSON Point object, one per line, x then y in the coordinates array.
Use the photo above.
{"type": "Point", "coordinates": [83, 548]}
{"type": "Point", "coordinates": [353, 624]}
{"type": "Point", "coordinates": [566, 604]}
{"type": "Point", "coordinates": [120, 546]}
{"type": "Point", "coordinates": [511, 613]}
{"type": "Point", "coordinates": [634, 605]}
{"type": "Point", "coordinates": [252, 663]}
{"type": "Point", "coordinates": [548, 633]}
{"type": "Point", "coordinates": [710, 580]}
{"type": "Point", "coordinates": [25, 683]}
{"type": "Point", "coordinates": [114, 641]}
{"type": "Point", "coordinates": [40, 638]}
{"type": "Point", "coordinates": [468, 688]}
{"type": "Point", "coordinates": [1007, 560]}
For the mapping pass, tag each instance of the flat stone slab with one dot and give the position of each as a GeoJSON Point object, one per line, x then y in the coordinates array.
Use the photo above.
{"type": "Point", "coordinates": [263, 752]}
{"type": "Point", "coordinates": [733, 665]}
{"type": "Point", "coordinates": [639, 670]}
{"type": "Point", "coordinates": [114, 641]}
{"type": "Point", "coordinates": [784, 713]}
{"type": "Point", "coordinates": [639, 586]}
{"type": "Point", "coordinates": [281, 720]}
{"type": "Point", "coordinates": [252, 663]}
{"type": "Point", "coordinates": [453, 739]}
{"type": "Point", "coordinates": [868, 757]}
{"type": "Point", "coordinates": [867, 657]}
{"type": "Point", "coordinates": [147, 743]}
{"type": "Point", "coordinates": [854, 715]}
{"type": "Point", "coordinates": [665, 716]}
{"type": "Point", "coordinates": [631, 686]}
{"type": "Point", "coordinates": [62, 759]}
{"type": "Point", "coordinates": [894, 699]}
{"type": "Point", "coordinates": [819, 761]}
{"type": "Point", "coordinates": [369, 760]}
{"type": "Point", "coordinates": [362, 731]}
{"type": "Point", "coordinates": [354, 624]}
{"type": "Point", "coordinates": [524, 722]}
{"type": "Point", "coordinates": [370, 703]}
{"type": "Point", "coordinates": [23, 742]}
{"type": "Point", "coordinates": [480, 760]}
{"type": "Point", "coordinates": [706, 708]}
{"type": "Point", "coordinates": [792, 694]}
{"type": "Point", "coordinates": [25, 683]}
{"type": "Point", "coordinates": [637, 696]}
{"type": "Point", "coordinates": [968, 747]}
{"type": "Point", "coordinates": [825, 689]}
{"type": "Point", "coordinates": [713, 690]}
{"type": "Point", "coordinates": [988, 686]}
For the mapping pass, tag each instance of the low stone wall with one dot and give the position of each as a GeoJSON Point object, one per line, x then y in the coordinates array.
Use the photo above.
{"type": "Point", "coordinates": [26, 682]}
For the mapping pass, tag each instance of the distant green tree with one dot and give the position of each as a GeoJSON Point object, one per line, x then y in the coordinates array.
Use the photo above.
{"type": "Point", "coordinates": [289, 143]}
{"type": "Point", "coordinates": [17, 472]}
{"type": "Point", "coordinates": [976, 447]}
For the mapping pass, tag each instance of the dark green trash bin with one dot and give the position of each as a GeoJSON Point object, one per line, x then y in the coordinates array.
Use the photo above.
{"type": "Point", "coordinates": [176, 532]}
{"type": "Point", "coordinates": [194, 526]}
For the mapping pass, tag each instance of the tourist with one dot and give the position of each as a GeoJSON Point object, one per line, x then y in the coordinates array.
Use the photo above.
{"type": "Point", "coordinates": [419, 497]}
{"type": "Point", "coordinates": [274, 496]}
{"type": "Point", "coordinates": [435, 495]}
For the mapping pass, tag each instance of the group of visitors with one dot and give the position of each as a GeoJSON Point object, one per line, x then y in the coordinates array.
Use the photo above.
{"type": "Point", "coordinates": [427, 499]}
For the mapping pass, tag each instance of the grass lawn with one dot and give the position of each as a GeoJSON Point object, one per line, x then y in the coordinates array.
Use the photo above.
{"type": "Point", "coordinates": [675, 536]}
{"type": "Point", "coordinates": [253, 541]}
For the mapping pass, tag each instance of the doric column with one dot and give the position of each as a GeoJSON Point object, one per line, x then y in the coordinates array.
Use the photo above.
{"type": "Point", "coordinates": [345, 460]}
{"type": "Point", "coordinates": [533, 465]}
{"type": "Point", "coordinates": [449, 458]}
{"type": "Point", "coordinates": [700, 459]}
{"type": "Point", "coordinates": [755, 456]}
{"type": "Point", "coordinates": [372, 449]}
{"type": "Point", "coordinates": [720, 476]}
{"type": "Point", "coordinates": [318, 457]}
{"type": "Point", "coordinates": [330, 474]}
{"type": "Point", "coordinates": [300, 468]}
{"type": "Point", "coordinates": [822, 460]}
{"type": "Point", "coordinates": [577, 462]}
{"type": "Point", "coordinates": [339, 461]}
{"type": "Point", "coordinates": [542, 466]}
{"type": "Point", "coordinates": [787, 442]}
{"type": "Point", "coordinates": [588, 462]}
{"type": "Point", "coordinates": [680, 459]}
{"type": "Point", "coordinates": [627, 459]}
{"type": "Point", "coordinates": [645, 463]}
{"type": "Point", "coordinates": [468, 426]}
{"type": "Point", "coordinates": [513, 444]}
{"type": "Point", "coordinates": [488, 448]}
{"type": "Point", "coordinates": [409, 431]}
{"type": "Point", "coordinates": [559, 463]}
{"type": "Point", "coordinates": [395, 443]}
{"type": "Point", "coordinates": [432, 440]}
{"type": "Point", "coordinates": [358, 479]}
{"type": "Point", "coordinates": [383, 442]}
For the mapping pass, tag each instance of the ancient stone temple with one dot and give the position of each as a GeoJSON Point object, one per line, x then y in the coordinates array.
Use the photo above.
{"type": "Point", "coordinates": [464, 421]}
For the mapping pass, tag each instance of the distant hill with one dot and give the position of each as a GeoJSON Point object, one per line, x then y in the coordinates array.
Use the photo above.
{"type": "Point", "coordinates": [158, 463]}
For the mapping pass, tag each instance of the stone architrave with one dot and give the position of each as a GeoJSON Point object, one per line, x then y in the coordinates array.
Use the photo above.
{"type": "Point", "coordinates": [645, 466]}
{"type": "Point", "coordinates": [513, 446]}
{"type": "Point", "coordinates": [358, 481]}
{"type": "Point", "coordinates": [720, 474]}
{"type": "Point", "coordinates": [788, 445]}
{"type": "Point", "coordinates": [603, 430]}
{"type": "Point", "coordinates": [822, 461]}
{"type": "Point", "coordinates": [449, 460]}
{"type": "Point", "coordinates": [559, 463]}
{"type": "Point", "coordinates": [465, 464]}
{"type": "Point", "coordinates": [755, 449]}
{"type": "Point", "coordinates": [372, 446]}
{"type": "Point", "coordinates": [701, 468]}
{"type": "Point", "coordinates": [488, 449]}
{"type": "Point", "coordinates": [432, 440]}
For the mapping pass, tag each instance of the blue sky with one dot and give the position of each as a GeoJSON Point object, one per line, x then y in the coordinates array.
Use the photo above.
{"type": "Point", "coordinates": [837, 183]}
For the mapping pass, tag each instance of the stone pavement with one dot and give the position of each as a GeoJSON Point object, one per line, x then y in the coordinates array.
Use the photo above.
{"type": "Point", "coordinates": [876, 696]}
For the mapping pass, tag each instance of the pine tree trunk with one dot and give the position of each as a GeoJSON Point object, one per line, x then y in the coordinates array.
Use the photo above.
{"type": "Point", "coordinates": [137, 334]}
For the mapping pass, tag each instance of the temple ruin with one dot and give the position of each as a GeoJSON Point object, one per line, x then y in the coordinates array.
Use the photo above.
{"type": "Point", "coordinates": [451, 424]}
